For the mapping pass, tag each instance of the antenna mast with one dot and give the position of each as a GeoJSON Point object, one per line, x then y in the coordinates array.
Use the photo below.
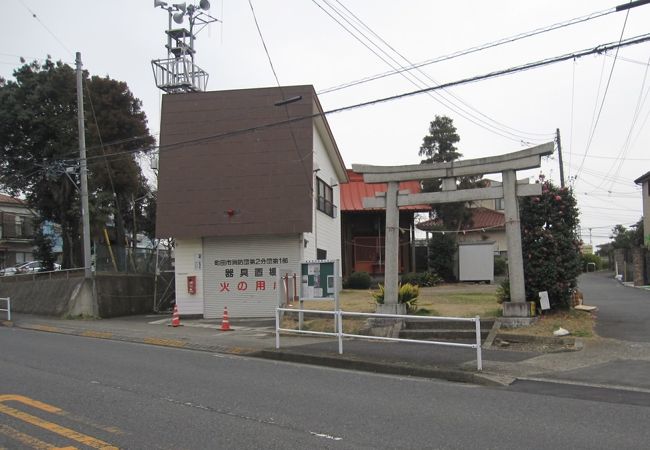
{"type": "Point", "coordinates": [178, 73]}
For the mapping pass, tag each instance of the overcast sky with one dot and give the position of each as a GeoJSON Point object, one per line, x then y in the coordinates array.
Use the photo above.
{"type": "Point", "coordinates": [119, 38]}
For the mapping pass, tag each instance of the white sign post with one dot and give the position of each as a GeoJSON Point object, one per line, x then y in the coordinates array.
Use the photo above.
{"type": "Point", "coordinates": [544, 303]}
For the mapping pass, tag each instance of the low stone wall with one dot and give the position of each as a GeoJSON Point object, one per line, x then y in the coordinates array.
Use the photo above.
{"type": "Point", "coordinates": [42, 295]}
{"type": "Point", "coordinates": [70, 294]}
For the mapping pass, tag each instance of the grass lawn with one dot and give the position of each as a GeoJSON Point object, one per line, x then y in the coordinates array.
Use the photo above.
{"type": "Point", "coordinates": [449, 300]}
{"type": "Point", "coordinates": [453, 300]}
{"type": "Point", "coordinates": [579, 323]}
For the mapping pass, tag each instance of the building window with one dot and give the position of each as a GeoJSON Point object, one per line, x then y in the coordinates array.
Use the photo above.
{"type": "Point", "coordinates": [324, 198]}
{"type": "Point", "coordinates": [498, 204]}
{"type": "Point", "coordinates": [321, 254]}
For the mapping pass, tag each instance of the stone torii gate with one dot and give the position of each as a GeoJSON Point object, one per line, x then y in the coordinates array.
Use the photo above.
{"type": "Point", "coordinates": [506, 164]}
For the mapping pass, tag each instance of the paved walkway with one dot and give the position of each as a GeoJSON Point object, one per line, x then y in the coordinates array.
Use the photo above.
{"type": "Point", "coordinates": [608, 362]}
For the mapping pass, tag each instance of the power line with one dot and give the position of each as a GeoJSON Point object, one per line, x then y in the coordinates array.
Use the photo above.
{"type": "Point", "coordinates": [521, 68]}
{"type": "Point", "coordinates": [499, 129]}
{"type": "Point", "coordinates": [607, 157]}
{"type": "Point", "coordinates": [639, 106]}
{"type": "Point", "coordinates": [46, 28]}
{"type": "Point", "coordinates": [602, 103]}
{"type": "Point", "coordinates": [499, 42]}
{"type": "Point", "coordinates": [306, 171]}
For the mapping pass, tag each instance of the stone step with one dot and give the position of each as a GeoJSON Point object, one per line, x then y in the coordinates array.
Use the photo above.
{"type": "Point", "coordinates": [443, 335]}
{"type": "Point", "coordinates": [486, 324]}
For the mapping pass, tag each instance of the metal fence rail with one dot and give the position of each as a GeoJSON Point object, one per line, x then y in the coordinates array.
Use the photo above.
{"type": "Point", "coordinates": [8, 309]}
{"type": "Point", "coordinates": [338, 325]}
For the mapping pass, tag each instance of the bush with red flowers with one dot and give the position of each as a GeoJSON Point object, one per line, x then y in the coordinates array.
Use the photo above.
{"type": "Point", "coordinates": [550, 244]}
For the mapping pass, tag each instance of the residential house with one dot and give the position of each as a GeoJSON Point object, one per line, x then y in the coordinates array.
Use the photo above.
{"type": "Point", "coordinates": [644, 181]}
{"type": "Point", "coordinates": [16, 231]}
{"type": "Point", "coordinates": [249, 187]}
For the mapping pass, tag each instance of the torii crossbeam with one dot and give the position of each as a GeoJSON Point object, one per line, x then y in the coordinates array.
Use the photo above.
{"type": "Point", "coordinates": [506, 164]}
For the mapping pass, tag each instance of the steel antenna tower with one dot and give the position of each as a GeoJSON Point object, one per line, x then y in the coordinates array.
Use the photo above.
{"type": "Point", "coordinates": [178, 73]}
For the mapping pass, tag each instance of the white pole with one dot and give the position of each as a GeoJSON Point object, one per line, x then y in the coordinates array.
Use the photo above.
{"type": "Point", "coordinates": [479, 360]}
{"type": "Point", "coordinates": [277, 328]}
{"type": "Point", "coordinates": [339, 317]}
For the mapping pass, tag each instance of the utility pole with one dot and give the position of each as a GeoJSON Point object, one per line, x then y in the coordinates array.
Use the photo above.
{"type": "Point", "coordinates": [559, 152]}
{"type": "Point", "coordinates": [83, 171]}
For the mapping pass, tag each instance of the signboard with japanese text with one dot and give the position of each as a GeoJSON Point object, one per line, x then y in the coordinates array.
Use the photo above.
{"type": "Point", "coordinates": [243, 274]}
{"type": "Point", "coordinates": [319, 280]}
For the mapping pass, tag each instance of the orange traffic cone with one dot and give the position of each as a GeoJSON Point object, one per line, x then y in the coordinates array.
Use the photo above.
{"type": "Point", "coordinates": [176, 319]}
{"type": "Point", "coordinates": [225, 323]}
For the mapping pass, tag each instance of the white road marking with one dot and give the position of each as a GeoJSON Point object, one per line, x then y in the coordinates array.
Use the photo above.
{"type": "Point", "coordinates": [326, 436]}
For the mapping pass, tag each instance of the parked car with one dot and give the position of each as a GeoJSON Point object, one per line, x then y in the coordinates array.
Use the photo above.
{"type": "Point", "coordinates": [8, 271]}
{"type": "Point", "coordinates": [34, 266]}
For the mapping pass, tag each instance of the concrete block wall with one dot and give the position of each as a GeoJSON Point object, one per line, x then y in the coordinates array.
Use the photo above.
{"type": "Point", "coordinates": [107, 295]}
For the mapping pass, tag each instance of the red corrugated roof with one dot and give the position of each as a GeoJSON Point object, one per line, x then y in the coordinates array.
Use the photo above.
{"type": "Point", "coordinates": [353, 193]}
{"type": "Point", "coordinates": [8, 199]}
{"type": "Point", "coordinates": [481, 218]}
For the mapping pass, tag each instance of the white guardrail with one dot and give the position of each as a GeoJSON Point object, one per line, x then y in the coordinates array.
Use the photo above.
{"type": "Point", "coordinates": [8, 309]}
{"type": "Point", "coordinates": [339, 334]}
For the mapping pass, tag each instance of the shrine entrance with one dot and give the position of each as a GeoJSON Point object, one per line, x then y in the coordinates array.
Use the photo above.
{"type": "Point", "coordinates": [506, 164]}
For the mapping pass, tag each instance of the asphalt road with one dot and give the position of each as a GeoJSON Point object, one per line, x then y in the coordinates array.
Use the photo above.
{"type": "Point", "coordinates": [623, 312]}
{"type": "Point", "coordinates": [95, 393]}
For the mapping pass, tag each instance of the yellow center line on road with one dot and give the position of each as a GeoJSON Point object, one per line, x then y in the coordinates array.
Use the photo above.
{"type": "Point", "coordinates": [28, 440]}
{"type": "Point", "coordinates": [30, 402]}
{"type": "Point", "coordinates": [49, 426]}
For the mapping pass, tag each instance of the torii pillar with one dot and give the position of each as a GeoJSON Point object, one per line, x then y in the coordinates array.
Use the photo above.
{"type": "Point", "coordinates": [391, 200]}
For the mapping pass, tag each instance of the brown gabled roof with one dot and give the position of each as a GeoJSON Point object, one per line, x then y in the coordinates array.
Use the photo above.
{"type": "Point", "coordinates": [643, 178]}
{"type": "Point", "coordinates": [482, 218]}
{"type": "Point", "coordinates": [353, 193]}
{"type": "Point", "coordinates": [12, 200]}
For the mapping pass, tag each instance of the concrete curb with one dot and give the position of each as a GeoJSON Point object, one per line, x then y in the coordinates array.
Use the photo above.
{"type": "Point", "coordinates": [350, 363]}
{"type": "Point", "coordinates": [572, 344]}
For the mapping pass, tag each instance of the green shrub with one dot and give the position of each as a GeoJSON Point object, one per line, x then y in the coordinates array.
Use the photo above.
{"type": "Point", "coordinates": [406, 294]}
{"type": "Point", "coordinates": [591, 258]}
{"type": "Point", "coordinates": [442, 248]}
{"type": "Point", "coordinates": [422, 279]}
{"type": "Point", "coordinates": [500, 266]}
{"type": "Point", "coordinates": [503, 291]}
{"type": "Point", "coordinates": [358, 280]}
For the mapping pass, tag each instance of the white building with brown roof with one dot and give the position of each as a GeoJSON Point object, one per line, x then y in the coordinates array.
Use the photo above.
{"type": "Point", "coordinates": [248, 188]}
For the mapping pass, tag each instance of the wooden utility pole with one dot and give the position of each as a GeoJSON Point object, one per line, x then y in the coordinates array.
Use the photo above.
{"type": "Point", "coordinates": [559, 153]}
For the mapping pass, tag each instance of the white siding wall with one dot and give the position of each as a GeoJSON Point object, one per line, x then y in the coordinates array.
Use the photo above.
{"type": "Point", "coordinates": [499, 238]}
{"type": "Point", "coordinates": [188, 253]}
{"type": "Point", "coordinates": [253, 294]}
{"type": "Point", "coordinates": [327, 230]}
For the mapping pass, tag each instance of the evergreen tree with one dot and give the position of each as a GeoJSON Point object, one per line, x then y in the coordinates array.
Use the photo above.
{"type": "Point", "coordinates": [439, 146]}
{"type": "Point", "coordinates": [39, 148]}
{"type": "Point", "coordinates": [442, 248]}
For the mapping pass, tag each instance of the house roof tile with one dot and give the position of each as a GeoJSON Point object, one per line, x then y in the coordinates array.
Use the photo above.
{"type": "Point", "coordinates": [9, 199]}
{"type": "Point", "coordinates": [481, 218]}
